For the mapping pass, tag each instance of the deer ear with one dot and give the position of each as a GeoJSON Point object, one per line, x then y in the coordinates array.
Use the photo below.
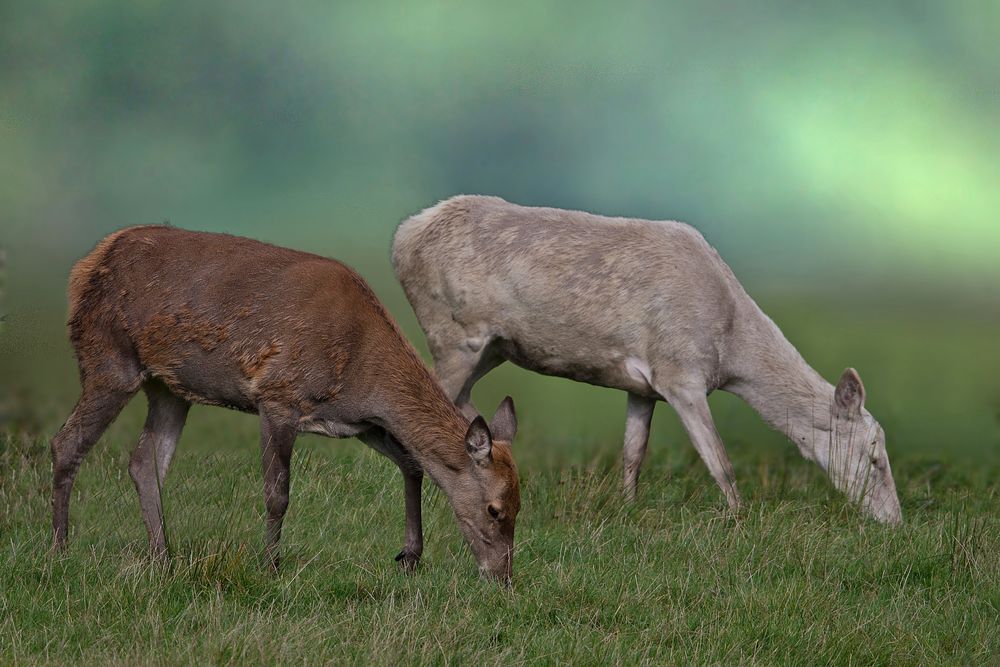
{"type": "Point", "coordinates": [504, 423]}
{"type": "Point", "coordinates": [478, 441]}
{"type": "Point", "coordinates": [849, 396]}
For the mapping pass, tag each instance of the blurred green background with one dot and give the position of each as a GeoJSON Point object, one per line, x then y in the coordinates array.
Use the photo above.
{"type": "Point", "coordinates": [843, 157]}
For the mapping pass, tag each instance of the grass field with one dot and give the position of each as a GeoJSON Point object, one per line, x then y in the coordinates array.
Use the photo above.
{"type": "Point", "coordinates": [842, 158]}
{"type": "Point", "coordinates": [799, 578]}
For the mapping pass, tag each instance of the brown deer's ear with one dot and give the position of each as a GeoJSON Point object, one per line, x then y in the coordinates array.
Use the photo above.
{"type": "Point", "coordinates": [849, 396]}
{"type": "Point", "coordinates": [478, 441]}
{"type": "Point", "coordinates": [504, 423]}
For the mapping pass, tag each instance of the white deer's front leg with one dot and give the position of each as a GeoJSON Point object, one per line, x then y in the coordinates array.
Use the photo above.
{"type": "Point", "coordinates": [460, 365]}
{"type": "Point", "coordinates": [639, 414]}
{"type": "Point", "coordinates": [692, 408]}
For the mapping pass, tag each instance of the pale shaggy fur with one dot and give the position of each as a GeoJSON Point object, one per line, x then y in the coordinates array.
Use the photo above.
{"type": "Point", "coordinates": [646, 307]}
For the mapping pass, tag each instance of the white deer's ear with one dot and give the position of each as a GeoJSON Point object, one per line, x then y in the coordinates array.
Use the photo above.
{"type": "Point", "coordinates": [504, 423]}
{"type": "Point", "coordinates": [849, 396]}
{"type": "Point", "coordinates": [478, 441]}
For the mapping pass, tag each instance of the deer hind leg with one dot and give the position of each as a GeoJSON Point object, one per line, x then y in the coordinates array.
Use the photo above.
{"type": "Point", "coordinates": [413, 476]}
{"type": "Point", "coordinates": [151, 458]}
{"type": "Point", "coordinates": [102, 399]}
{"type": "Point", "coordinates": [692, 408]}
{"type": "Point", "coordinates": [639, 414]}
{"type": "Point", "coordinates": [277, 438]}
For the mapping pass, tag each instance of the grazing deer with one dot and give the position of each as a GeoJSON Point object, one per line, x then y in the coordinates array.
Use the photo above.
{"type": "Point", "coordinates": [646, 307]}
{"type": "Point", "coordinates": [300, 340]}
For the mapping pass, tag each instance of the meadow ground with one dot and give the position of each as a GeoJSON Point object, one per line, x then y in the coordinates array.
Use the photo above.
{"type": "Point", "coordinates": [799, 578]}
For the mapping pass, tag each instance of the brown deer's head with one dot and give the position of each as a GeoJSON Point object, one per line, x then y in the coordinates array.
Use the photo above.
{"type": "Point", "coordinates": [487, 496]}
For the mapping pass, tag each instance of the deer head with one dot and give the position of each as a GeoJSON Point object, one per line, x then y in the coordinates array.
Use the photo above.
{"type": "Point", "coordinates": [487, 495]}
{"type": "Point", "coordinates": [853, 454]}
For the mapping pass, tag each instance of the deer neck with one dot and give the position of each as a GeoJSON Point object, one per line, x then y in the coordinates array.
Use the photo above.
{"type": "Point", "coordinates": [418, 414]}
{"type": "Point", "coordinates": [775, 380]}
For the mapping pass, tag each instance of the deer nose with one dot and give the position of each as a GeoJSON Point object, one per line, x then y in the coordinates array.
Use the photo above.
{"type": "Point", "coordinates": [502, 578]}
{"type": "Point", "coordinates": [500, 570]}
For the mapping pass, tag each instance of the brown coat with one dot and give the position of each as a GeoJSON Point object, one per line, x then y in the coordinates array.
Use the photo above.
{"type": "Point", "coordinates": [298, 338]}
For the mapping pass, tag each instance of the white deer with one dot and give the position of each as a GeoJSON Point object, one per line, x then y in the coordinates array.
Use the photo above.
{"type": "Point", "coordinates": [648, 307]}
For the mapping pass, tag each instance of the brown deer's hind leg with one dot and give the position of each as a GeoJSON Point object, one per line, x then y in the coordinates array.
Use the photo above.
{"type": "Point", "coordinates": [98, 406]}
{"type": "Point", "coordinates": [151, 458]}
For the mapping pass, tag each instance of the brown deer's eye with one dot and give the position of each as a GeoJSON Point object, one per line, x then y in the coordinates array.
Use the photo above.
{"type": "Point", "coordinates": [494, 511]}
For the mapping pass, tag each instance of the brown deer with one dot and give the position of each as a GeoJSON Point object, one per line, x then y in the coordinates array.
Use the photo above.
{"type": "Point", "coordinates": [644, 306]}
{"type": "Point", "coordinates": [299, 339]}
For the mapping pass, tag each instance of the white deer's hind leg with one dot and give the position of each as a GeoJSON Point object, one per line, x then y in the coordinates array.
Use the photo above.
{"type": "Point", "coordinates": [639, 414]}
{"type": "Point", "coordinates": [692, 408]}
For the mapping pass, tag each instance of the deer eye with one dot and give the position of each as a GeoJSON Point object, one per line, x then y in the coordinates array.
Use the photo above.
{"type": "Point", "coordinates": [494, 511]}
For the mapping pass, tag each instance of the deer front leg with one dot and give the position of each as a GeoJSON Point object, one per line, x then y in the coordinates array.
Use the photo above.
{"type": "Point", "coordinates": [639, 414]}
{"type": "Point", "coordinates": [385, 444]}
{"type": "Point", "coordinates": [413, 547]}
{"type": "Point", "coordinates": [692, 408]}
{"type": "Point", "coordinates": [459, 364]}
{"type": "Point", "coordinates": [277, 438]}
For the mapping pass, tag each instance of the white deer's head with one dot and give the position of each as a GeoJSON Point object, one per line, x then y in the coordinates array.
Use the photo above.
{"type": "Point", "coordinates": [852, 452]}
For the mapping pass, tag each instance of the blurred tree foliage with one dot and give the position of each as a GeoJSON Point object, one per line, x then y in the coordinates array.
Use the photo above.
{"type": "Point", "coordinates": [807, 134]}
{"type": "Point", "coordinates": [832, 150]}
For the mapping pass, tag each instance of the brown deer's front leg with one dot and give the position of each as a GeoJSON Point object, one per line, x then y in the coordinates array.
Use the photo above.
{"type": "Point", "coordinates": [413, 546]}
{"type": "Point", "coordinates": [413, 476]}
{"type": "Point", "coordinates": [277, 438]}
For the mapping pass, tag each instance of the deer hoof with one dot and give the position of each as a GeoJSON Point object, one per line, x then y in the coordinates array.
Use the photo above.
{"type": "Point", "coordinates": [407, 560]}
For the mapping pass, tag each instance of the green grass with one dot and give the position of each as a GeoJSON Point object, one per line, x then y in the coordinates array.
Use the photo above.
{"type": "Point", "coordinates": [799, 578]}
